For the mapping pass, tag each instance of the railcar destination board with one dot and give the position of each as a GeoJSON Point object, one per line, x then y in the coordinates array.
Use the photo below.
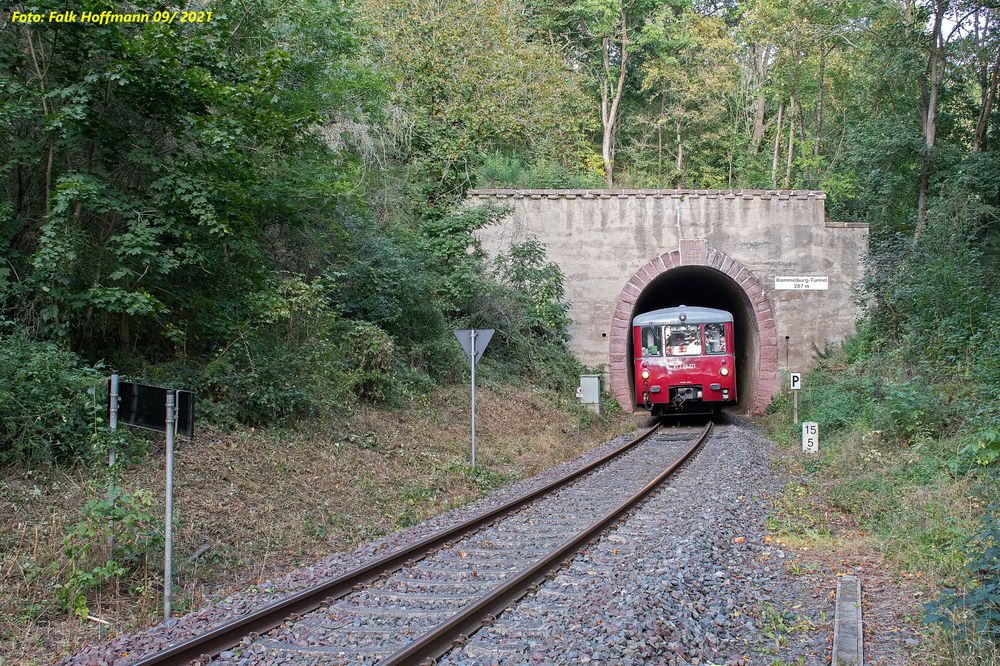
{"type": "Point", "coordinates": [145, 406]}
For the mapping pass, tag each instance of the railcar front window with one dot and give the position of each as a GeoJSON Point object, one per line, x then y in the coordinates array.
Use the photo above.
{"type": "Point", "coordinates": [652, 340]}
{"type": "Point", "coordinates": [715, 338]}
{"type": "Point", "coordinates": [683, 340]}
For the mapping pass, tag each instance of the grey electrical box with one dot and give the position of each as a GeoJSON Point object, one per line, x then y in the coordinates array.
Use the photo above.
{"type": "Point", "coordinates": [590, 391]}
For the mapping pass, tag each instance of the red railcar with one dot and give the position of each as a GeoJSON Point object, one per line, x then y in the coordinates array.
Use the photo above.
{"type": "Point", "coordinates": [684, 360]}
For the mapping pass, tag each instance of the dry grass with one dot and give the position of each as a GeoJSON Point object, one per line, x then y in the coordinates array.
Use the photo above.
{"type": "Point", "coordinates": [268, 500]}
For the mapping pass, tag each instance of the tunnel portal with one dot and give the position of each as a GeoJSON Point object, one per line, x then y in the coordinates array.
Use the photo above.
{"type": "Point", "coordinates": [622, 252]}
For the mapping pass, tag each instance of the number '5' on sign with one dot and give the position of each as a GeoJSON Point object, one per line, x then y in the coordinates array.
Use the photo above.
{"type": "Point", "coordinates": [810, 436]}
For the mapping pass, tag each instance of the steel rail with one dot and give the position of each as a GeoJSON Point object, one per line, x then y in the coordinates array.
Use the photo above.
{"type": "Point", "coordinates": [445, 636]}
{"type": "Point", "coordinates": [231, 633]}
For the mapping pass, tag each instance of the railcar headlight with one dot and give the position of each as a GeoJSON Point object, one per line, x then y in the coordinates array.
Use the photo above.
{"type": "Point", "coordinates": [724, 372]}
{"type": "Point", "coordinates": [645, 374]}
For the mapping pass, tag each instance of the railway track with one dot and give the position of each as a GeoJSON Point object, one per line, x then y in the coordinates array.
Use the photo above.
{"type": "Point", "coordinates": [415, 604]}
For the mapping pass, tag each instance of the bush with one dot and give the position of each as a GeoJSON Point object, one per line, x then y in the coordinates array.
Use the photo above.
{"type": "Point", "coordinates": [299, 357]}
{"type": "Point", "coordinates": [977, 611]}
{"type": "Point", "coordinates": [499, 170]}
{"type": "Point", "coordinates": [137, 536]}
{"type": "Point", "coordinates": [288, 361]}
{"type": "Point", "coordinates": [373, 357]}
{"type": "Point", "coordinates": [51, 402]}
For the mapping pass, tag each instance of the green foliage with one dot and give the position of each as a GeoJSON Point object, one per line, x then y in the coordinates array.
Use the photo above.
{"type": "Point", "coordinates": [778, 624]}
{"type": "Point", "coordinates": [979, 449]}
{"type": "Point", "coordinates": [486, 479]}
{"type": "Point", "coordinates": [540, 284]}
{"type": "Point", "coordinates": [456, 256]}
{"type": "Point", "coordinates": [499, 170]}
{"type": "Point", "coordinates": [529, 299]}
{"type": "Point", "coordinates": [51, 402]}
{"type": "Point", "coordinates": [976, 610]}
{"type": "Point", "coordinates": [469, 80]}
{"type": "Point", "coordinates": [146, 199]}
{"type": "Point", "coordinates": [381, 276]}
{"type": "Point", "coordinates": [288, 360]}
{"type": "Point", "coordinates": [374, 357]}
{"type": "Point", "coordinates": [125, 517]}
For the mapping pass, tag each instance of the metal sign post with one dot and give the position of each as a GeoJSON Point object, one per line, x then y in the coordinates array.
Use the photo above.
{"type": "Point", "coordinates": [473, 354]}
{"type": "Point", "coordinates": [141, 406]}
{"type": "Point", "coordinates": [795, 383]}
{"type": "Point", "coordinates": [474, 343]}
{"type": "Point", "coordinates": [113, 414]}
{"type": "Point", "coordinates": [168, 531]}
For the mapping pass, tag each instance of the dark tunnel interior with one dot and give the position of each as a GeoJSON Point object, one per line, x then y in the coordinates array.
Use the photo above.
{"type": "Point", "coordinates": [707, 287]}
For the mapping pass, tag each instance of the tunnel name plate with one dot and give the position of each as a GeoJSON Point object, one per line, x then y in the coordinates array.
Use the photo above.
{"type": "Point", "coordinates": [802, 282]}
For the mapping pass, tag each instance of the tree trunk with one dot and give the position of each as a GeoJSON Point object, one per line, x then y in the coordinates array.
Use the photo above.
{"type": "Point", "coordinates": [124, 331]}
{"type": "Point", "coordinates": [659, 143]}
{"type": "Point", "coordinates": [758, 124]}
{"type": "Point", "coordinates": [987, 95]}
{"type": "Point", "coordinates": [609, 115]}
{"type": "Point", "coordinates": [936, 68]}
{"type": "Point", "coordinates": [819, 100]}
{"type": "Point", "coordinates": [791, 142]}
{"type": "Point", "coordinates": [777, 148]}
{"type": "Point", "coordinates": [45, 111]}
{"type": "Point", "coordinates": [605, 123]}
{"type": "Point", "coordinates": [680, 155]}
{"type": "Point", "coordinates": [760, 104]}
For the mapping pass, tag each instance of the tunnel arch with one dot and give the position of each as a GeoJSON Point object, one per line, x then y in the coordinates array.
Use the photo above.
{"type": "Point", "coordinates": [696, 274]}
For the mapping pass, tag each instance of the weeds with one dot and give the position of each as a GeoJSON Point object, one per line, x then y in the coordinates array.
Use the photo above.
{"type": "Point", "coordinates": [795, 519]}
{"type": "Point", "coordinates": [777, 625]}
{"type": "Point", "coordinates": [912, 466]}
{"type": "Point", "coordinates": [976, 609]}
{"type": "Point", "coordinates": [123, 519]}
{"type": "Point", "coordinates": [265, 500]}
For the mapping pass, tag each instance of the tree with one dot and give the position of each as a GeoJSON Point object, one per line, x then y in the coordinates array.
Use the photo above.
{"type": "Point", "coordinates": [986, 54]}
{"type": "Point", "coordinates": [941, 41]}
{"type": "Point", "coordinates": [467, 81]}
{"type": "Point", "coordinates": [154, 174]}
{"type": "Point", "coordinates": [690, 79]}
{"type": "Point", "coordinates": [604, 39]}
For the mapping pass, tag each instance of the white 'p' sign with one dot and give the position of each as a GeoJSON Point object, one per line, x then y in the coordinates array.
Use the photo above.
{"type": "Point", "coordinates": [810, 437]}
{"type": "Point", "coordinates": [795, 380]}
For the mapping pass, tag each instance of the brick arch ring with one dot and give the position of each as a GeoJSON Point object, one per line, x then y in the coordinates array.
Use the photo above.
{"type": "Point", "coordinates": [696, 253]}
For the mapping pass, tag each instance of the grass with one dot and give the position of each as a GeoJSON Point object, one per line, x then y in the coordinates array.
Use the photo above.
{"type": "Point", "coordinates": [886, 482]}
{"type": "Point", "coordinates": [917, 513]}
{"type": "Point", "coordinates": [265, 501]}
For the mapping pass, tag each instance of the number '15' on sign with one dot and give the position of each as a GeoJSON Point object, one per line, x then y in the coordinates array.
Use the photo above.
{"type": "Point", "coordinates": [810, 436]}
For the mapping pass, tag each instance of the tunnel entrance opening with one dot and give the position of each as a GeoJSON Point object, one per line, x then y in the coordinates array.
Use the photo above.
{"type": "Point", "coordinates": [707, 287]}
{"type": "Point", "coordinates": [695, 274]}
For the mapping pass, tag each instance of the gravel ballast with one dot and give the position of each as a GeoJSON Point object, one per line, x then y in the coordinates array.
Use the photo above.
{"type": "Point", "coordinates": [688, 577]}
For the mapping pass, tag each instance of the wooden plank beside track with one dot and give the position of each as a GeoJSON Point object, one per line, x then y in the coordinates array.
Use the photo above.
{"type": "Point", "coordinates": [848, 649]}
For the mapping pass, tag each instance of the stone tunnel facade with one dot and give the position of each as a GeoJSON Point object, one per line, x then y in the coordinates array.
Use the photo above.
{"type": "Point", "coordinates": [624, 252]}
